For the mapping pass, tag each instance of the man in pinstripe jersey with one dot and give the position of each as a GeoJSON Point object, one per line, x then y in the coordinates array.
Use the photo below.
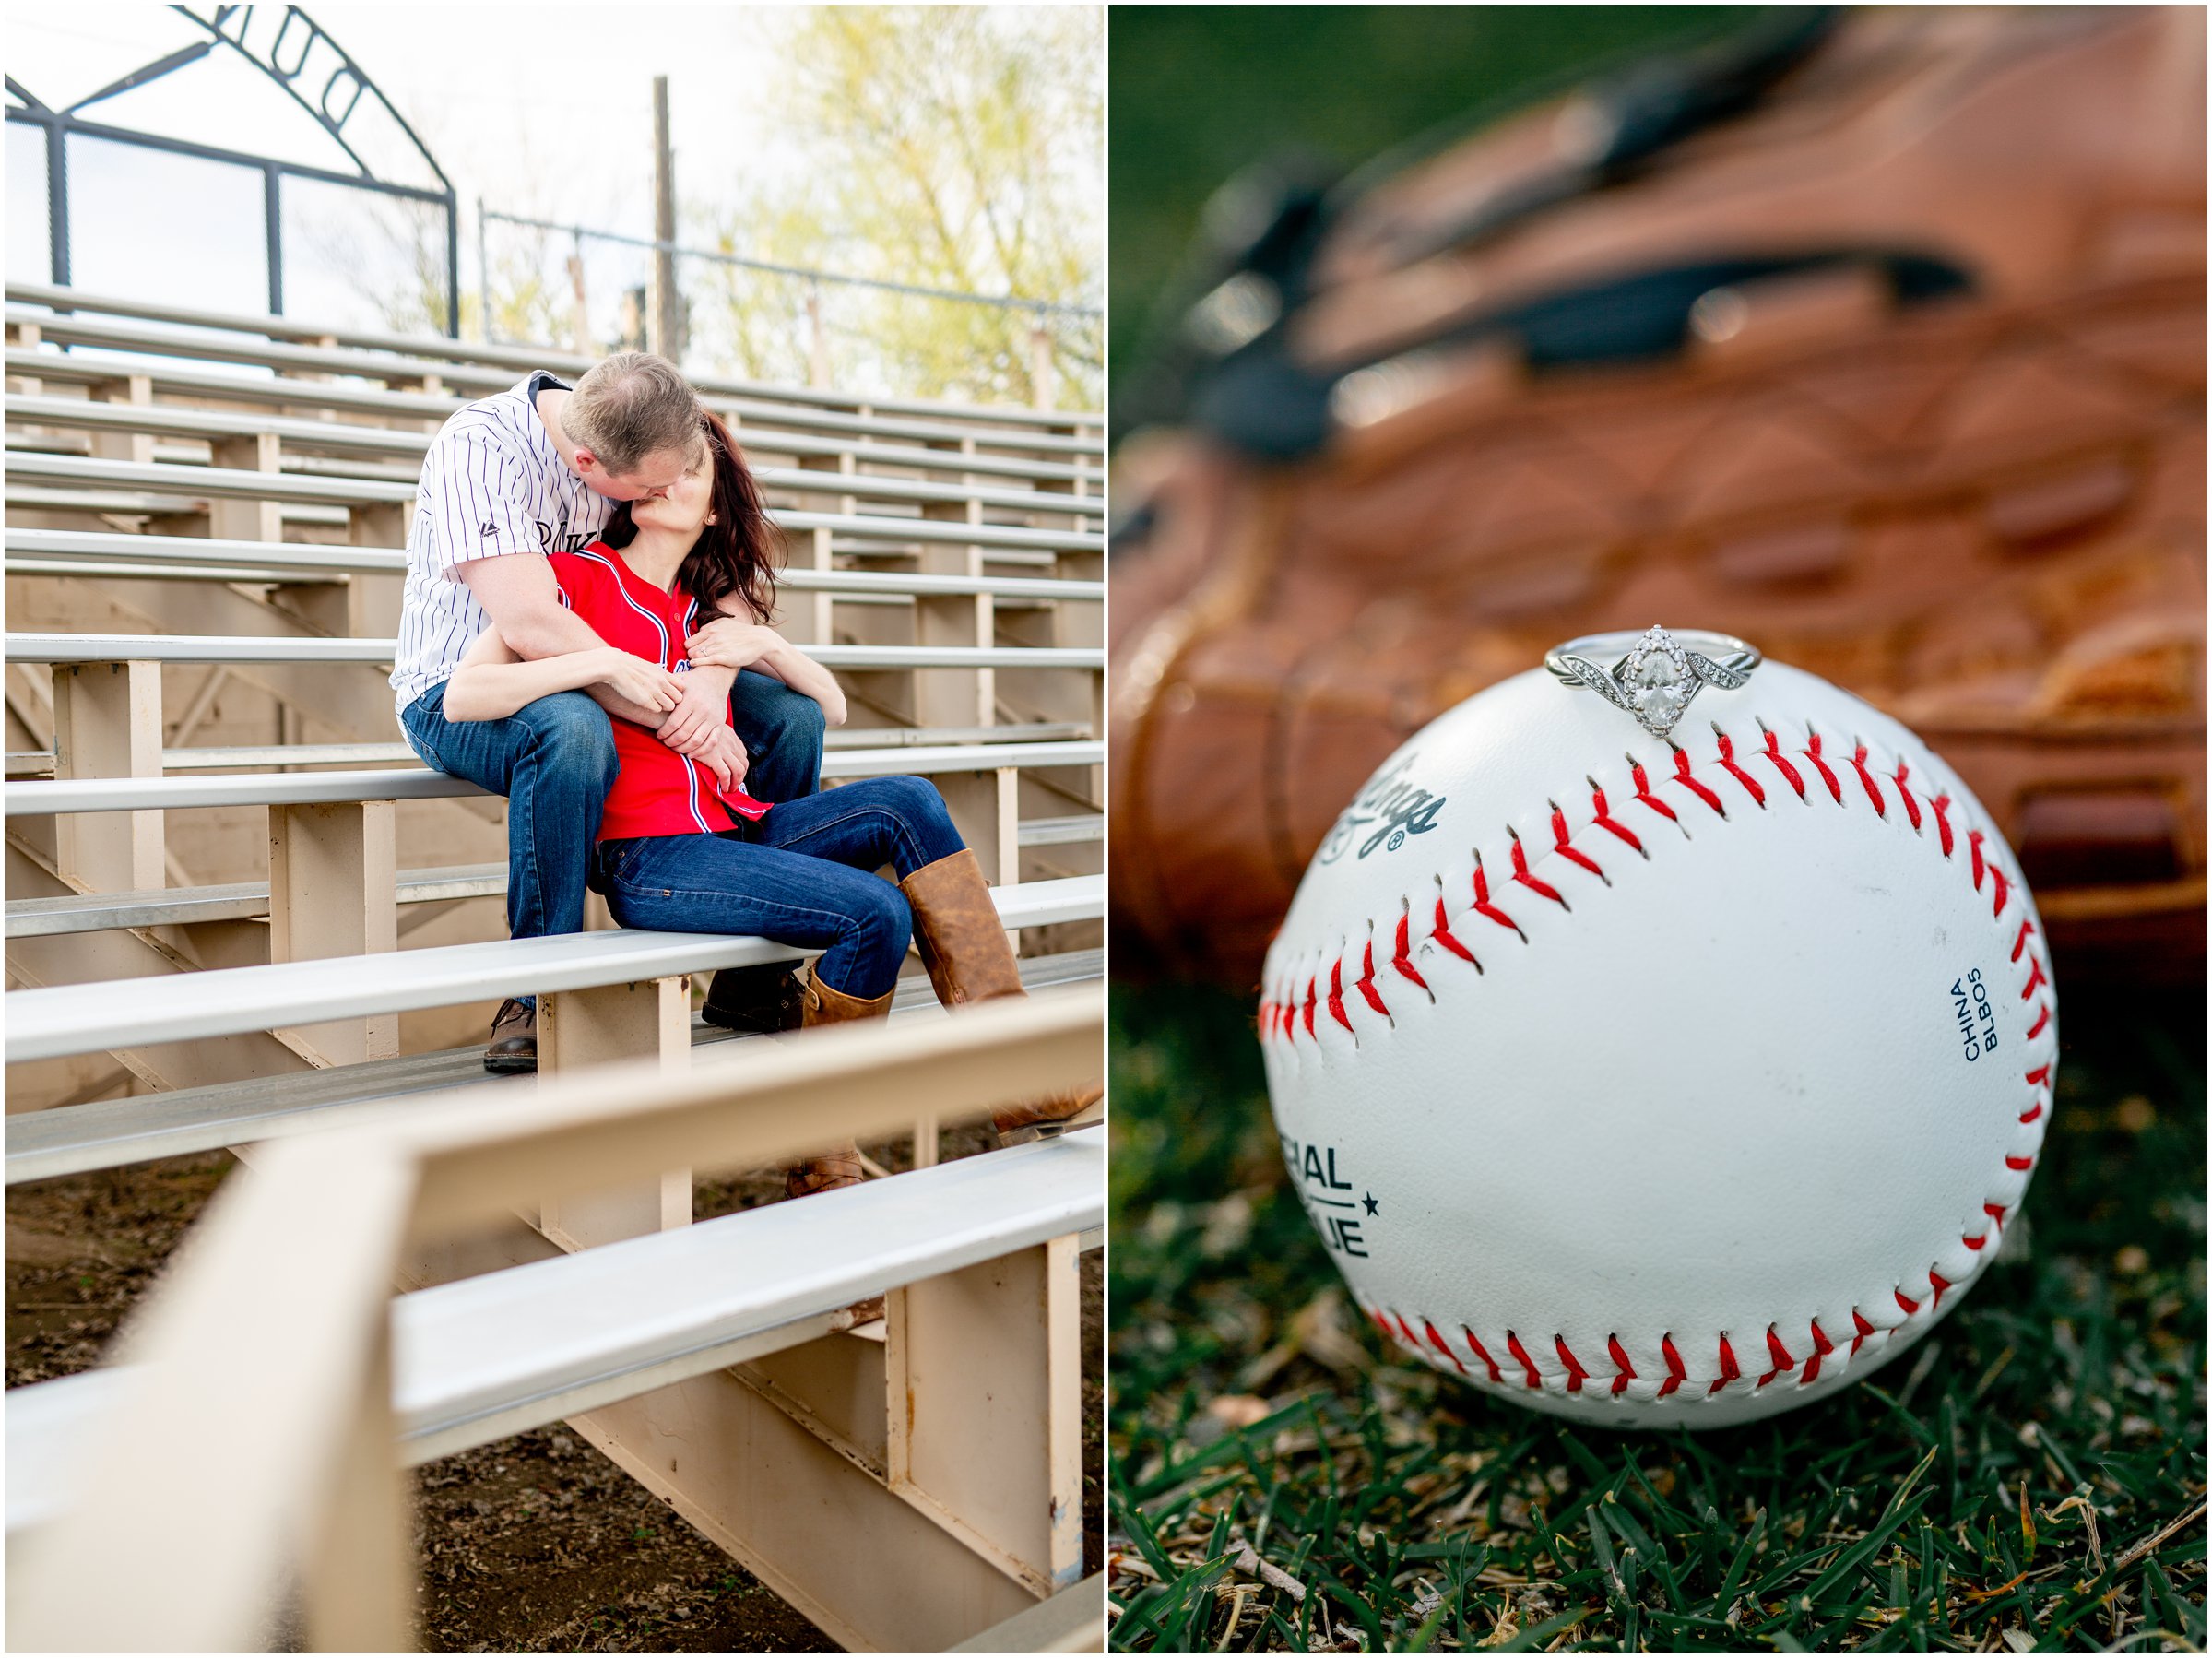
{"type": "Point", "coordinates": [509, 479]}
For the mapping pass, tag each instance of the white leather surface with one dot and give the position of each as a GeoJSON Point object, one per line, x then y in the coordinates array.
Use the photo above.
{"type": "Point", "coordinates": [1721, 1090]}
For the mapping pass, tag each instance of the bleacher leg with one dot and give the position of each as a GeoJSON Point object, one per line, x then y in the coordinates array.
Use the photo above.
{"type": "Point", "coordinates": [247, 520]}
{"type": "Point", "coordinates": [134, 448]}
{"type": "Point", "coordinates": [333, 891]}
{"type": "Point", "coordinates": [373, 599]}
{"type": "Point", "coordinates": [999, 1467]}
{"type": "Point", "coordinates": [107, 723]}
{"type": "Point", "coordinates": [611, 1022]}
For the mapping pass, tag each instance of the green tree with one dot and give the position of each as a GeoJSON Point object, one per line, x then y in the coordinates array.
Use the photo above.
{"type": "Point", "coordinates": [953, 147]}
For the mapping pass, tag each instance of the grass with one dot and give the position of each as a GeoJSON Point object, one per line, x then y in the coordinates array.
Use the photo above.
{"type": "Point", "coordinates": [2030, 1477]}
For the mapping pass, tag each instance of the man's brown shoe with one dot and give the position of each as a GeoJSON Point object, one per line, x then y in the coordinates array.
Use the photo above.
{"type": "Point", "coordinates": [513, 1039]}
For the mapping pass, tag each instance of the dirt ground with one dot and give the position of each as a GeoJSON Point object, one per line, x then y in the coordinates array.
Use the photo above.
{"type": "Point", "coordinates": [534, 1544]}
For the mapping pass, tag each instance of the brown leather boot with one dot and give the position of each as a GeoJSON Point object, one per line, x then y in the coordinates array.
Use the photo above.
{"type": "Point", "coordinates": [956, 927]}
{"type": "Point", "coordinates": [840, 1165]}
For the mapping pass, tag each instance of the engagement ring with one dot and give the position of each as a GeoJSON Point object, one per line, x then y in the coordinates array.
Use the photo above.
{"type": "Point", "coordinates": [1661, 672]}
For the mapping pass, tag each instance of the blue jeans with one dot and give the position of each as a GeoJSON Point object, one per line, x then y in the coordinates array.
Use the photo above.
{"type": "Point", "coordinates": [554, 760]}
{"type": "Point", "coordinates": [803, 875]}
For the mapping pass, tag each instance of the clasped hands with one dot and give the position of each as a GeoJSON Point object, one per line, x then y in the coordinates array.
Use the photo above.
{"type": "Point", "coordinates": [698, 721]}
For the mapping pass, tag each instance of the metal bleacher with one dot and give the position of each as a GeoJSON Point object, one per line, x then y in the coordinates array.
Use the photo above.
{"type": "Point", "coordinates": [240, 913]}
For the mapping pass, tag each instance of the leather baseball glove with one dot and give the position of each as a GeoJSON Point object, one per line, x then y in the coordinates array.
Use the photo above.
{"type": "Point", "coordinates": [1876, 338]}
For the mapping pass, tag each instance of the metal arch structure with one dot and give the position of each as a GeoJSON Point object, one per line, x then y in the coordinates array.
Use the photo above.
{"type": "Point", "coordinates": [318, 74]}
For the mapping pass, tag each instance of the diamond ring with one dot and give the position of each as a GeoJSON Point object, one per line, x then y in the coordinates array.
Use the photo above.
{"type": "Point", "coordinates": [1661, 672]}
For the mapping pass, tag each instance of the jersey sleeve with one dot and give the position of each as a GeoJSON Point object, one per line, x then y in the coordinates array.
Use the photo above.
{"type": "Point", "coordinates": [573, 581]}
{"type": "Point", "coordinates": [471, 503]}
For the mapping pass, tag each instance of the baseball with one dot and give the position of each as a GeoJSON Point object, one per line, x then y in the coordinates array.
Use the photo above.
{"type": "Point", "coordinates": [1660, 1081]}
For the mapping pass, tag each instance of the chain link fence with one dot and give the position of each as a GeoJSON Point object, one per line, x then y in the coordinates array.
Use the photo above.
{"type": "Point", "coordinates": [590, 291]}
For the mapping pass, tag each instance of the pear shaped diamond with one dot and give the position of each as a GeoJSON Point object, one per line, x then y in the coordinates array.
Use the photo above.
{"type": "Point", "coordinates": [1657, 678]}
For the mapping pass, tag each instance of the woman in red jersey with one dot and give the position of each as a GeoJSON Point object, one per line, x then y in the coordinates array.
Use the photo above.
{"type": "Point", "coordinates": [687, 579]}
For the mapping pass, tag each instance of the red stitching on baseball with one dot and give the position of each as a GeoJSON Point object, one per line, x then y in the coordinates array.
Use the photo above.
{"type": "Point", "coordinates": [2018, 1164]}
{"type": "Point", "coordinates": [2020, 942]}
{"type": "Point", "coordinates": [1941, 1283]}
{"type": "Point", "coordinates": [1402, 960]}
{"type": "Point", "coordinates": [1939, 805]}
{"type": "Point", "coordinates": [1779, 1354]}
{"type": "Point", "coordinates": [1682, 775]}
{"type": "Point", "coordinates": [1482, 907]}
{"type": "Point", "coordinates": [1443, 936]}
{"type": "Point", "coordinates": [1826, 776]}
{"type": "Point", "coordinates": [1910, 1307]}
{"type": "Point", "coordinates": [1442, 1348]}
{"type": "Point", "coordinates": [1728, 1371]}
{"type": "Point", "coordinates": [2042, 1018]}
{"type": "Point", "coordinates": [1822, 1348]}
{"type": "Point", "coordinates": [1905, 794]}
{"type": "Point", "coordinates": [1774, 752]}
{"type": "Point", "coordinates": [1581, 860]}
{"type": "Point", "coordinates": [1312, 999]}
{"type": "Point", "coordinates": [1576, 1374]}
{"type": "Point", "coordinates": [1865, 1330]}
{"type": "Point", "coordinates": [1858, 760]}
{"type": "Point", "coordinates": [1728, 762]}
{"type": "Point", "coordinates": [1676, 1375]}
{"type": "Point", "coordinates": [1521, 873]}
{"type": "Point", "coordinates": [1521, 1355]}
{"type": "Point", "coordinates": [1975, 1243]}
{"type": "Point", "coordinates": [1483, 1352]}
{"type": "Point", "coordinates": [1625, 1371]}
{"type": "Point", "coordinates": [1366, 980]}
{"type": "Point", "coordinates": [1643, 793]}
{"type": "Point", "coordinates": [2040, 1076]}
{"type": "Point", "coordinates": [2035, 978]}
{"type": "Point", "coordinates": [1605, 819]}
{"type": "Point", "coordinates": [1336, 993]}
{"type": "Point", "coordinates": [1973, 846]}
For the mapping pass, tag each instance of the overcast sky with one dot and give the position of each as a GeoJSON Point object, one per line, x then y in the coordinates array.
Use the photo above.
{"type": "Point", "coordinates": [546, 111]}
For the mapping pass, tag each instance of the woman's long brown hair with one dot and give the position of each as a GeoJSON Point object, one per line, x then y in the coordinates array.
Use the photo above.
{"type": "Point", "coordinates": [740, 550]}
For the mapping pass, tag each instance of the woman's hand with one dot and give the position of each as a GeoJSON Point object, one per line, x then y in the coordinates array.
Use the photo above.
{"type": "Point", "coordinates": [633, 679]}
{"type": "Point", "coordinates": [730, 642]}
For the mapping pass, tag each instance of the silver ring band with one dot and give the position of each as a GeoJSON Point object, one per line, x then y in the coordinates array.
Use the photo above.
{"type": "Point", "coordinates": [1653, 675]}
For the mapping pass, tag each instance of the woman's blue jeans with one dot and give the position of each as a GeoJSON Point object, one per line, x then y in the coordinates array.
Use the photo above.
{"type": "Point", "coordinates": [554, 760]}
{"type": "Point", "coordinates": [803, 875]}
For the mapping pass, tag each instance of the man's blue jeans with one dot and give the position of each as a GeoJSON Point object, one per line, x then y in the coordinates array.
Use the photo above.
{"type": "Point", "coordinates": [554, 760]}
{"type": "Point", "coordinates": [803, 875]}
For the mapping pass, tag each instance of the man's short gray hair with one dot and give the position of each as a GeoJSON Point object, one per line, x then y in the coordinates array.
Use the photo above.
{"type": "Point", "coordinates": [631, 406]}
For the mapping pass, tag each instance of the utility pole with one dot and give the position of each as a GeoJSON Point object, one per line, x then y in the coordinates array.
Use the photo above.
{"type": "Point", "coordinates": [666, 315]}
{"type": "Point", "coordinates": [1044, 389]}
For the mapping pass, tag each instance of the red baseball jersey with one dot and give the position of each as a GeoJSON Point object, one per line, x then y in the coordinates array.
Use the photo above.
{"type": "Point", "coordinates": [659, 790]}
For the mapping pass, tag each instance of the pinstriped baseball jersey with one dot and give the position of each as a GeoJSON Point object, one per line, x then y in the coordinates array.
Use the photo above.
{"type": "Point", "coordinates": [493, 485]}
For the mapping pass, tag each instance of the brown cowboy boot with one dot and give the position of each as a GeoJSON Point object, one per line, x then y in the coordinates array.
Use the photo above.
{"type": "Point", "coordinates": [964, 945]}
{"type": "Point", "coordinates": [840, 1165]}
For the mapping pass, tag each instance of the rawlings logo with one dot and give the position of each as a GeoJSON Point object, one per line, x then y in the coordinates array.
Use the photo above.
{"type": "Point", "coordinates": [1393, 806]}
